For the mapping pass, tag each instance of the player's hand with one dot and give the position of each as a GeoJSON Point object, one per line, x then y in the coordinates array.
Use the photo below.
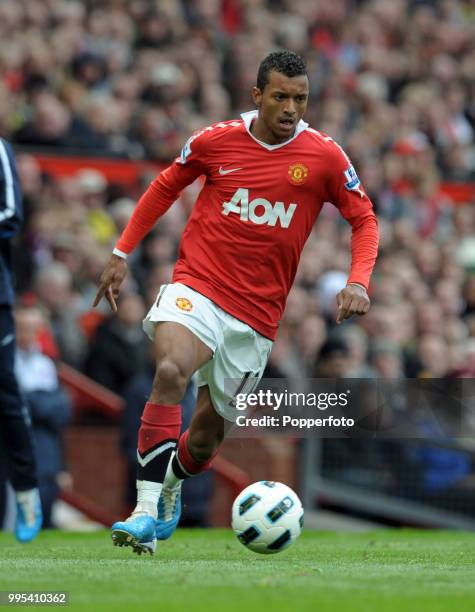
{"type": "Point", "coordinates": [351, 300]}
{"type": "Point", "coordinates": [110, 281]}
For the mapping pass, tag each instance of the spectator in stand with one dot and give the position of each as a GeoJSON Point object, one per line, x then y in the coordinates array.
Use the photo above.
{"type": "Point", "coordinates": [49, 406]}
{"type": "Point", "coordinates": [333, 359]}
{"type": "Point", "coordinates": [386, 359]}
{"type": "Point", "coordinates": [119, 349]}
{"type": "Point", "coordinates": [133, 79]}
{"type": "Point", "coordinates": [54, 125]}
{"type": "Point", "coordinates": [433, 356]}
{"type": "Point", "coordinates": [56, 295]}
{"type": "Point", "coordinates": [92, 186]}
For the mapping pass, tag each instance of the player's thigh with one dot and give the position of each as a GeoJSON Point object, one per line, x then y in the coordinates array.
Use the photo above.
{"type": "Point", "coordinates": [180, 345]}
{"type": "Point", "coordinates": [238, 365]}
{"type": "Point", "coordinates": [206, 422]}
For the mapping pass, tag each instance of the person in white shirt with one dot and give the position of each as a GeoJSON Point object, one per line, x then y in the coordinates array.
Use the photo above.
{"type": "Point", "coordinates": [50, 407]}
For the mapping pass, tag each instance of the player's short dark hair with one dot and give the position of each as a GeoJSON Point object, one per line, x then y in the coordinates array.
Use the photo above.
{"type": "Point", "coordinates": [285, 62]}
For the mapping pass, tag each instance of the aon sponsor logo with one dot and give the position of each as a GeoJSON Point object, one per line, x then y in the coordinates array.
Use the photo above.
{"type": "Point", "coordinates": [259, 210]}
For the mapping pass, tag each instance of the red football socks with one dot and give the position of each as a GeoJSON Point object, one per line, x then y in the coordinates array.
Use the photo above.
{"type": "Point", "coordinates": [158, 436]}
{"type": "Point", "coordinates": [184, 464]}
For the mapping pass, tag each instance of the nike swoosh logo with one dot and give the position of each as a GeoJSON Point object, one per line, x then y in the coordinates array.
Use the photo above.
{"type": "Point", "coordinates": [223, 172]}
{"type": "Point", "coordinates": [7, 340]}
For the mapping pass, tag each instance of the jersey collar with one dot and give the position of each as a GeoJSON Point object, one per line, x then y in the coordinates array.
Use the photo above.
{"type": "Point", "coordinates": [249, 117]}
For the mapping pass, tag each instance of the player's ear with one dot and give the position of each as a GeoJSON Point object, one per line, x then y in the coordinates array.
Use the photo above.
{"type": "Point", "coordinates": [257, 97]}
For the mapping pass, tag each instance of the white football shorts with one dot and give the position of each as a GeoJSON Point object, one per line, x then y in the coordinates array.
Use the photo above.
{"type": "Point", "coordinates": [240, 353]}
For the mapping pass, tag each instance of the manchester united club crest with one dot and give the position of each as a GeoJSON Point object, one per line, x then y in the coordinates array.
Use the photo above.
{"type": "Point", "coordinates": [184, 304]}
{"type": "Point", "coordinates": [297, 173]}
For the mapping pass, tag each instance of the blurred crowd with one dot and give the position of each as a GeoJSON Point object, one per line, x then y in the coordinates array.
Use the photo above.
{"type": "Point", "coordinates": [391, 81]}
{"type": "Point", "coordinates": [136, 77]}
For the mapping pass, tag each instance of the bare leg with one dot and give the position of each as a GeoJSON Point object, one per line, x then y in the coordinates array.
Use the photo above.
{"type": "Point", "coordinates": [207, 428]}
{"type": "Point", "coordinates": [179, 353]}
{"type": "Point", "coordinates": [200, 443]}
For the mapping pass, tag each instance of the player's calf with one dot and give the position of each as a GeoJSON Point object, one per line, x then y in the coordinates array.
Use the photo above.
{"type": "Point", "coordinates": [196, 450]}
{"type": "Point", "coordinates": [182, 465]}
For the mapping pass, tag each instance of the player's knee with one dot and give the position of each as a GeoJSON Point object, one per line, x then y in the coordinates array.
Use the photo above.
{"type": "Point", "coordinates": [170, 379]}
{"type": "Point", "coordinates": [203, 445]}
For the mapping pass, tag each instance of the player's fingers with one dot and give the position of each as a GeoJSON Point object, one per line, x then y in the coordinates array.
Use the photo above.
{"type": "Point", "coordinates": [115, 286]}
{"type": "Point", "coordinates": [358, 305]}
{"type": "Point", "coordinates": [339, 316]}
{"type": "Point", "coordinates": [350, 309]}
{"type": "Point", "coordinates": [99, 295]}
{"type": "Point", "coordinates": [340, 300]}
{"type": "Point", "coordinates": [110, 299]}
{"type": "Point", "coordinates": [363, 306]}
{"type": "Point", "coordinates": [343, 308]}
{"type": "Point", "coordinates": [354, 307]}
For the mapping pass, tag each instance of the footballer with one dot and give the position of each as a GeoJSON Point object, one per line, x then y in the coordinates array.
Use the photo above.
{"type": "Point", "coordinates": [267, 176]}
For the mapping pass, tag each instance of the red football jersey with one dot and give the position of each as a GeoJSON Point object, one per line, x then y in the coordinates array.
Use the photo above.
{"type": "Point", "coordinates": [243, 240]}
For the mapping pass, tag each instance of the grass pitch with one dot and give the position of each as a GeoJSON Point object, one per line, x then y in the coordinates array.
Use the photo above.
{"type": "Point", "coordinates": [198, 570]}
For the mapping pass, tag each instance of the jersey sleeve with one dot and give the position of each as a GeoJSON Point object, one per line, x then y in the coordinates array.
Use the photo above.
{"type": "Point", "coordinates": [348, 195]}
{"type": "Point", "coordinates": [345, 190]}
{"type": "Point", "coordinates": [163, 191]}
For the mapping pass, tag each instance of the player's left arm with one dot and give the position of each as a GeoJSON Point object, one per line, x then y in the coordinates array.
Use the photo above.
{"type": "Point", "coordinates": [348, 195]}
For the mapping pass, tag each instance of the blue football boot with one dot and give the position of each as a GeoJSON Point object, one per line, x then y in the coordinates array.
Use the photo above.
{"type": "Point", "coordinates": [29, 517]}
{"type": "Point", "coordinates": [137, 531]}
{"type": "Point", "coordinates": [169, 511]}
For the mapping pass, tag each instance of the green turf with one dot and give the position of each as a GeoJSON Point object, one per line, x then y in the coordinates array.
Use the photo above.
{"type": "Point", "coordinates": [381, 571]}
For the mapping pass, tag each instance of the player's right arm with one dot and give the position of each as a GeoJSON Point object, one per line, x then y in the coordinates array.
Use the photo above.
{"type": "Point", "coordinates": [158, 198]}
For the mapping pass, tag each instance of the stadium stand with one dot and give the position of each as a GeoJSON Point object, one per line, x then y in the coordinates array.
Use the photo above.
{"type": "Point", "coordinates": [98, 96]}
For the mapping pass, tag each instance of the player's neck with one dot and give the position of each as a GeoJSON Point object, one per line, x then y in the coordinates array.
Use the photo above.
{"type": "Point", "coordinates": [260, 131]}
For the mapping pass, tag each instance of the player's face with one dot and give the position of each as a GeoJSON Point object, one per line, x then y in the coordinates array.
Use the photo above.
{"type": "Point", "coordinates": [281, 105]}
